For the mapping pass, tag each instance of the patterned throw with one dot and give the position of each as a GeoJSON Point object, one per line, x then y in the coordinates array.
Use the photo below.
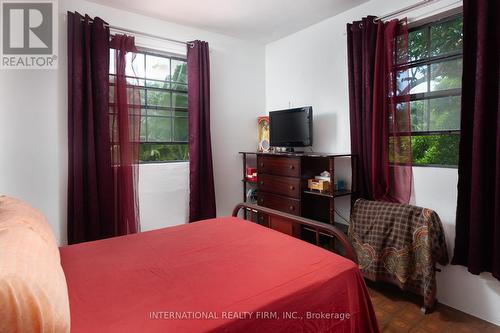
{"type": "Point", "coordinates": [399, 244]}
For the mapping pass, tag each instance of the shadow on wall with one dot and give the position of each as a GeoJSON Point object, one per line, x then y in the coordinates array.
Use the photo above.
{"type": "Point", "coordinates": [325, 127]}
{"type": "Point", "coordinates": [482, 292]}
{"type": "Point", "coordinates": [494, 285]}
{"type": "Point", "coordinates": [485, 290]}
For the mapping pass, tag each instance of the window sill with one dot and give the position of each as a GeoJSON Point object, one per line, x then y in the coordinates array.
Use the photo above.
{"type": "Point", "coordinates": [162, 162]}
{"type": "Point", "coordinates": [435, 166]}
{"type": "Point", "coordinates": [441, 166]}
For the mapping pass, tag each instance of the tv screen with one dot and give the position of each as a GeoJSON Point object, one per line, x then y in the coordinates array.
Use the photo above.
{"type": "Point", "coordinates": [291, 128]}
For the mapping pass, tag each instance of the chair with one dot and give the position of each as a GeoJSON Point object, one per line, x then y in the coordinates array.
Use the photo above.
{"type": "Point", "coordinates": [399, 244]}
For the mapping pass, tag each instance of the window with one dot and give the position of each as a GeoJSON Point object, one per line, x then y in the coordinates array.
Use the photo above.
{"type": "Point", "coordinates": [432, 77]}
{"type": "Point", "coordinates": [162, 83]}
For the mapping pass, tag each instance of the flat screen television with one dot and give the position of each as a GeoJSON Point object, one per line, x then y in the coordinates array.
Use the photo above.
{"type": "Point", "coordinates": [291, 128]}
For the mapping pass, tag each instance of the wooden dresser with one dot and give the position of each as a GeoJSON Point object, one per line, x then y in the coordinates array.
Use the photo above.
{"type": "Point", "coordinates": [282, 185]}
{"type": "Point", "coordinates": [279, 187]}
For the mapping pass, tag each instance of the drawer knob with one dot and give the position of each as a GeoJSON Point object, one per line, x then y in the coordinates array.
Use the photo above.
{"type": "Point", "coordinates": [261, 200]}
{"type": "Point", "coordinates": [292, 207]}
{"type": "Point", "coordinates": [292, 187]}
{"type": "Point", "coordinates": [292, 167]}
{"type": "Point", "coordinates": [261, 182]}
{"type": "Point", "coordinates": [261, 164]}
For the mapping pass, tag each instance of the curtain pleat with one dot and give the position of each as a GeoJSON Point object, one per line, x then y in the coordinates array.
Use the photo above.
{"type": "Point", "coordinates": [201, 178]}
{"type": "Point", "coordinates": [90, 186]}
{"type": "Point", "coordinates": [379, 118]}
{"type": "Point", "coordinates": [125, 139]}
{"type": "Point", "coordinates": [102, 199]}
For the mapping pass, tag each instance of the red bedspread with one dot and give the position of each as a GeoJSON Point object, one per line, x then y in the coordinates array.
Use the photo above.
{"type": "Point", "coordinates": [221, 275]}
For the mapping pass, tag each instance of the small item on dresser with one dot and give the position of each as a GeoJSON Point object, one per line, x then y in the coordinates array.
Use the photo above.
{"type": "Point", "coordinates": [251, 174]}
{"type": "Point", "coordinates": [339, 185]}
{"type": "Point", "coordinates": [320, 183]}
{"type": "Point", "coordinates": [325, 175]}
{"type": "Point", "coordinates": [263, 129]}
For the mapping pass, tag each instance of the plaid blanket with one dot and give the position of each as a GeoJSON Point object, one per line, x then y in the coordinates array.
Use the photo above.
{"type": "Point", "coordinates": [399, 244]}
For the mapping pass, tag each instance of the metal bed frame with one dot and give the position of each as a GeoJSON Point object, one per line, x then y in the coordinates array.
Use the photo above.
{"type": "Point", "coordinates": [318, 227]}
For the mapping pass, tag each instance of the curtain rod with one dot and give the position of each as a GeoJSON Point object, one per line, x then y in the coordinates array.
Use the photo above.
{"type": "Point", "coordinates": [135, 32]}
{"type": "Point", "coordinates": [405, 9]}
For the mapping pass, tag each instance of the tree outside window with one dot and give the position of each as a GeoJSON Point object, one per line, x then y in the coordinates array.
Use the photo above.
{"type": "Point", "coordinates": [161, 81]}
{"type": "Point", "coordinates": [432, 77]}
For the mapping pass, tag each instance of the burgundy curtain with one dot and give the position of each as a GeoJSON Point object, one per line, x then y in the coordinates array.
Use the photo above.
{"type": "Point", "coordinates": [477, 241]}
{"type": "Point", "coordinates": [379, 114]}
{"type": "Point", "coordinates": [90, 182]}
{"type": "Point", "coordinates": [125, 139]}
{"type": "Point", "coordinates": [201, 179]}
{"type": "Point", "coordinates": [99, 194]}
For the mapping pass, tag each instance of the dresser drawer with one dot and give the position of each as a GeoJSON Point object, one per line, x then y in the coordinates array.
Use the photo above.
{"type": "Point", "coordinates": [281, 225]}
{"type": "Point", "coordinates": [286, 186]}
{"type": "Point", "coordinates": [273, 201]}
{"type": "Point", "coordinates": [281, 166]}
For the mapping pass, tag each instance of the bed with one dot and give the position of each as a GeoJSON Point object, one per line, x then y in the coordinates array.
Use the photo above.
{"type": "Point", "coordinates": [219, 275]}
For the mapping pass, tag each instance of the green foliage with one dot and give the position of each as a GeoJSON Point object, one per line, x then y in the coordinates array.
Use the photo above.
{"type": "Point", "coordinates": [417, 44]}
{"type": "Point", "coordinates": [435, 149]}
{"type": "Point", "coordinates": [447, 37]}
{"type": "Point", "coordinates": [163, 152]}
{"type": "Point", "coordinates": [437, 114]}
{"type": "Point", "coordinates": [160, 124]}
{"type": "Point", "coordinates": [159, 84]}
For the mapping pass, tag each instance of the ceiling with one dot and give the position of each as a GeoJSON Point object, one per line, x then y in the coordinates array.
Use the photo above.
{"type": "Point", "coordinates": [257, 20]}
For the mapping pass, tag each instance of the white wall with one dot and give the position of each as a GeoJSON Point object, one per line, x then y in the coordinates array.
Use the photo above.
{"type": "Point", "coordinates": [163, 194]}
{"type": "Point", "coordinates": [33, 125]}
{"type": "Point", "coordinates": [310, 68]}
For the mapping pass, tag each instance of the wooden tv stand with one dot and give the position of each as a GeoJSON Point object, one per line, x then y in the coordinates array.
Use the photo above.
{"type": "Point", "coordinates": [282, 185]}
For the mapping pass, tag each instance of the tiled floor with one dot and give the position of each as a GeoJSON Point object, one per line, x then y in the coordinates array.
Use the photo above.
{"type": "Point", "coordinates": [400, 312]}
